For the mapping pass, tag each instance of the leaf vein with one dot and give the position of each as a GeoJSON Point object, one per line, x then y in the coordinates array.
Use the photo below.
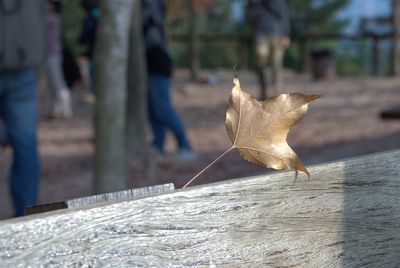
{"type": "Point", "coordinates": [260, 128]}
{"type": "Point", "coordinates": [261, 151]}
{"type": "Point", "coordinates": [239, 121]}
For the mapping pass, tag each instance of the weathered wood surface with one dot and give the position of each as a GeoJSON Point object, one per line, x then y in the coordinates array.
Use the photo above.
{"type": "Point", "coordinates": [347, 215]}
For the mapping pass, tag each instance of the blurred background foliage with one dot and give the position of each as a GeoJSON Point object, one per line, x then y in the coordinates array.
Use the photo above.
{"type": "Point", "coordinates": [316, 17]}
{"type": "Point", "coordinates": [228, 18]}
{"type": "Point", "coordinates": [214, 17]}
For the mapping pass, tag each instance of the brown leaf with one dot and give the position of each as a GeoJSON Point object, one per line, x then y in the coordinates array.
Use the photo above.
{"type": "Point", "coordinates": [258, 129]}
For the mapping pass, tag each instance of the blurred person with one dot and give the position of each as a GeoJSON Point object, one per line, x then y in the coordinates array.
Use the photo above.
{"type": "Point", "coordinates": [271, 26]}
{"type": "Point", "coordinates": [71, 71]}
{"type": "Point", "coordinates": [55, 76]}
{"type": "Point", "coordinates": [3, 134]}
{"type": "Point", "coordinates": [159, 68]}
{"type": "Point", "coordinates": [87, 36]}
{"type": "Point", "coordinates": [22, 49]}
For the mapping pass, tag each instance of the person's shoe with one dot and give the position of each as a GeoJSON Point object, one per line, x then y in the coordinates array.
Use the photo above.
{"type": "Point", "coordinates": [4, 141]}
{"type": "Point", "coordinates": [89, 98]}
{"type": "Point", "coordinates": [62, 107]}
{"type": "Point", "coordinates": [66, 103]}
{"type": "Point", "coordinates": [184, 155]}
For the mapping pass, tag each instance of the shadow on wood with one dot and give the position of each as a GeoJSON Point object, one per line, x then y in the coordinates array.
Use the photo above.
{"type": "Point", "coordinates": [391, 113]}
{"type": "Point", "coordinates": [347, 215]}
{"type": "Point", "coordinates": [371, 213]}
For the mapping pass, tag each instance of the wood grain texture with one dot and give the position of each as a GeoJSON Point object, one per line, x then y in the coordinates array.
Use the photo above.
{"type": "Point", "coordinates": [347, 215]}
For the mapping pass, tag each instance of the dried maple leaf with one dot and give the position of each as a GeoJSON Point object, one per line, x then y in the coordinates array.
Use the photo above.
{"type": "Point", "coordinates": [258, 129]}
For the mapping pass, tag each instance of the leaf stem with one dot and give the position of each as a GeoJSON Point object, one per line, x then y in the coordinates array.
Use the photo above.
{"type": "Point", "coordinates": [207, 167]}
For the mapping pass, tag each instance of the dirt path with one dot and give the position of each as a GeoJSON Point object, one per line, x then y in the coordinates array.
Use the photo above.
{"type": "Point", "coordinates": [343, 123]}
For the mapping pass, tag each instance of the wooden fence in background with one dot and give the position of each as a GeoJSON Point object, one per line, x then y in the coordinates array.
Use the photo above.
{"type": "Point", "coordinates": [245, 43]}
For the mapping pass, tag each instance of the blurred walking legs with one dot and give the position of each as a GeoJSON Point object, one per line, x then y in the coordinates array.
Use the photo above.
{"type": "Point", "coordinates": [3, 134]}
{"type": "Point", "coordinates": [58, 87]}
{"type": "Point", "coordinates": [269, 48]}
{"type": "Point", "coordinates": [162, 115]}
{"type": "Point", "coordinates": [18, 108]}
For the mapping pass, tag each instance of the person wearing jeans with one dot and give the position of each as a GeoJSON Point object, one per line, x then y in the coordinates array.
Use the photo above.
{"type": "Point", "coordinates": [162, 114]}
{"type": "Point", "coordinates": [18, 109]}
{"type": "Point", "coordinates": [22, 51]}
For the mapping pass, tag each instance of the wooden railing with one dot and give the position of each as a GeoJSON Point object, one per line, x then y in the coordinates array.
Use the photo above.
{"type": "Point", "coordinates": [346, 215]}
{"type": "Point", "coordinates": [245, 43]}
{"type": "Point", "coordinates": [306, 41]}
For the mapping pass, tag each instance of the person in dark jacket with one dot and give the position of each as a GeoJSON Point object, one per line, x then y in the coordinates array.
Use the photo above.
{"type": "Point", "coordinates": [87, 36]}
{"type": "Point", "coordinates": [22, 50]}
{"type": "Point", "coordinates": [159, 69]}
{"type": "Point", "coordinates": [271, 27]}
{"type": "Point", "coordinates": [88, 33]}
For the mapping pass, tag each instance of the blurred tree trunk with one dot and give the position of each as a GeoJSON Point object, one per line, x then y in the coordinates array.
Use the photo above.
{"type": "Point", "coordinates": [111, 63]}
{"type": "Point", "coordinates": [136, 120]}
{"type": "Point", "coordinates": [194, 42]}
{"type": "Point", "coordinates": [396, 35]}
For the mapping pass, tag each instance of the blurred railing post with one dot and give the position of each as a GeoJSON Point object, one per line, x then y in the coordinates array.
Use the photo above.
{"type": "Point", "coordinates": [375, 55]}
{"type": "Point", "coordinates": [243, 52]}
{"type": "Point", "coordinates": [245, 45]}
{"type": "Point", "coordinates": [242, 56]}
{"type": "Point", "coordinates": [396, 34]}
{"type": "Point", "coordinates": [194, 42]}
{"type": "Point", "coordinates": [305, 54]}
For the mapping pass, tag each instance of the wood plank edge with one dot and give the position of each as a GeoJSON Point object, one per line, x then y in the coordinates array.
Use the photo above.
{"type": "Point", "coordinates": [120, 196]}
